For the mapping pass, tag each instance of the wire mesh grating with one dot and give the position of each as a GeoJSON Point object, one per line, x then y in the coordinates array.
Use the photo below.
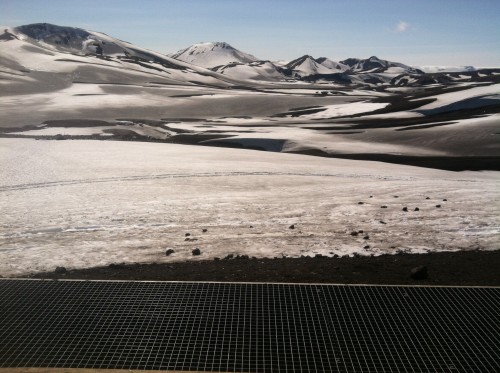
{"type": "Point", "coordinates": [235, 327]}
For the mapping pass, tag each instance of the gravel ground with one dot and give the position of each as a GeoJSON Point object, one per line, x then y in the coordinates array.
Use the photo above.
{"type": "Point", "coordinates": [464, 268]}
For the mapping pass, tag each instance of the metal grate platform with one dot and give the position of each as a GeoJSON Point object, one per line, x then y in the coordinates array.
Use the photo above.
{"type": "Point", "coordinates": [234, 327]}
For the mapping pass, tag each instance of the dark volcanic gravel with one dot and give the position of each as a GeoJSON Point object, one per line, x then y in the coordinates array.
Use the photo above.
{"type": "Point", "coordinates": [479, 268]}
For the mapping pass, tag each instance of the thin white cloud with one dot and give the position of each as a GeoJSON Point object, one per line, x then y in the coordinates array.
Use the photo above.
{"type": "Point", "coordinates": [402, 26]}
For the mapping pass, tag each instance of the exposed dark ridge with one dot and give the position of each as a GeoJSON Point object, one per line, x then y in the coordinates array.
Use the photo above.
{"type": "Point", "coordinates": [298, 61]}
{"type": "Point", "coordinates": [77, 123]}
{"type": "Point", "coordinates": [43, 31]}
{"type": "Point", "coordinates": [342, 78]}
{"type": "Point", "coordinates": [6, 36]}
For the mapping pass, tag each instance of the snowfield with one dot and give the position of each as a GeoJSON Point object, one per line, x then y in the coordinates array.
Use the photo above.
{"type": "Point", "coordinates": [88, 203]}
{"type": "Point", "coordinates": [69, 201]}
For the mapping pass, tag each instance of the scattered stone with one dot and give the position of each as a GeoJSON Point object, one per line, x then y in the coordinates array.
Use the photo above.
{"type": "Point", "coordinates": [360, 231]}
{"type": "Point", "coordinates": [204, 230]}
{"type": "Point", "coordinates": [60, 270]}
{"type": "Point", "coordinates": [187, 234]}
{"type": "Point", "coordinates": [427, 197]}
{"type": "Point", "coordinates": [416, 209]}
{"type": "Point", "coordinates": [361, 203]}
{"type": "Point", "coordinates": [383, 207]}
{"type": "Point", "coordinates": [251, 226]}
{"type": "Point", "coordinates": [366, 247]}
{"type": "Point", "coordinates": [382, 222]}
{"type": "Point", "coordinates": [354, 233]}
{"type": "Point", "coordinates": [419, 273]}
{"type": "Point", "coordinates": [371, 196]}
{"type": "Point", "coordinates": [438, 206]}
{"type": "Point", "coordinates": [169, 252]}
{"type": "Point", "coordinates": [444, 200]}
{"type": "Point", "coordinates": [405, 209]}
{"type": "Point", "coordinates": [396, 196]}
{"type": "Point", "coordinates": [291, 226]}
{"type": "Point", "coordinates": [366, 237]}
{"type": "Point", "coordinates": [190, 239]}
{"type": "Point", "coordinates": [196, 252]}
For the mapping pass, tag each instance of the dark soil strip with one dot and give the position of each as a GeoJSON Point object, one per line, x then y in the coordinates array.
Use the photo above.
{"type": "Point", "coordinates": [442, 163]}
{"type": "Point", "coordinates": [443, 268]}
{"type": "Point", "coordinates": [432, 125]}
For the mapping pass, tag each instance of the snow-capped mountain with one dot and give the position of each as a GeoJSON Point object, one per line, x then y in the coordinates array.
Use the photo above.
{"type": "Point", "coordinates": [307, 65]}
{"type": "Point", "coordinates": [376, 65]}
{"type": "Point", "coordinates": [80, 41]}
{"type": "Point", "coordinates": [213, 54]}
{"type": "Point", "coordinates": [94, 56]}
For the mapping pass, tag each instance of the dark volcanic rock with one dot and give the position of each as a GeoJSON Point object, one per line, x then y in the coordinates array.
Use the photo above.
{"type": "Point", "coordinates": [354, 233]}
{"type": "Point", "coordinates": [169, 252]}
{"type": "Point", "coordinates": [196, 252]}
{"type": "Point", "coordinates": [438, 206]}
{"type": "Point", "coordinates": [416, 209]}
{"type": "Point", "coordinates": [419, 273]}
{"type": "Point", "coordinates": [405, 209]}
{"type": "Point", "coordinates": [204, 230]}
{"type": "Point", "coordinates": [383, 207]}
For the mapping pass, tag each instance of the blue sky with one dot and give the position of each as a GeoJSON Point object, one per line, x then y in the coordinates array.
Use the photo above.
{"type": "Point", "coordinates": [425, 32]}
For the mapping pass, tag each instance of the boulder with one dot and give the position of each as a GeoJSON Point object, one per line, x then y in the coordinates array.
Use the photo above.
{"type": "Point", "coordinates": [60, 270]}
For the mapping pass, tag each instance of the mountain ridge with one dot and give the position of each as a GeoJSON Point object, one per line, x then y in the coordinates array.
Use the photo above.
{"type": "Point", "coordinates": [228, 65]}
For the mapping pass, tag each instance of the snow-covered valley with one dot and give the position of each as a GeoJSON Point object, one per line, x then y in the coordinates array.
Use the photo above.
{"type": "Point", "coordinates": [87, 203]}
{"type": "Point", "coordinates": [121, 155]}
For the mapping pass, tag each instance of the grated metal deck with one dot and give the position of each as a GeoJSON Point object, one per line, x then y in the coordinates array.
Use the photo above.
{"type": "Point", "coordinates": [235, 327]}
